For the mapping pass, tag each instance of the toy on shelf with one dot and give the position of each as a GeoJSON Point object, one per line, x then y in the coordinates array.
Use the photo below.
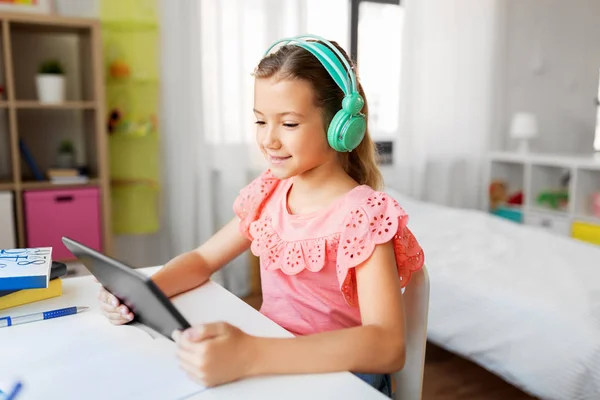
{"type": "Point", "coordinates": [119, 69]}
{"type": "Point", "coordinates": [554, 199]}
{"type": "Point", "coordinates": [499, 196]}
{"type": "Point", "coordinates": [515, 199]}
{"type": "Point", "coordinates": [114, 119]}
{"type": "Point", "coordinates": [143, 127]}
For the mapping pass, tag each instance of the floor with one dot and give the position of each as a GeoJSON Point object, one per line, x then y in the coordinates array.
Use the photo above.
{"type": "Point", "coordinates": [450, 377]}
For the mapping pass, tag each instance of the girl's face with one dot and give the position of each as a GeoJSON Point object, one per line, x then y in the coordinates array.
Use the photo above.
{"type": "Point", "coordinates": [289, 128]}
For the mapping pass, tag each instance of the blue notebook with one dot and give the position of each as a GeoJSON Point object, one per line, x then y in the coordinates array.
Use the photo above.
{"type": "Point", "coordinates": [25, 268]}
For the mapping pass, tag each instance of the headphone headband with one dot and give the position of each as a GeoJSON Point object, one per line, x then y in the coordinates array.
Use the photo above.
{"type": "Point", "coordinates": [298, 40]}
{"type": "Point", "coordinates": [348, 126]}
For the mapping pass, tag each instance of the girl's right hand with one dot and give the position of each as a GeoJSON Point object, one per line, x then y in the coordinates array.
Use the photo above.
{"type": "Point", "coordinates": [116, 312]}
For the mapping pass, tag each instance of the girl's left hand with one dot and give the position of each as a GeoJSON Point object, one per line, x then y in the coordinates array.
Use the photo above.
{"type": "Point", "coordinates": [214, 354]}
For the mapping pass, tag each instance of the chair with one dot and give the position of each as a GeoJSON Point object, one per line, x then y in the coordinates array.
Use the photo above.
{"type": "Point", "coordinates": [409, 380]}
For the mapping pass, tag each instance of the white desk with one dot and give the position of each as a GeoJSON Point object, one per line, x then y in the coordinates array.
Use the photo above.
{"type": "Point", "coordinates": [211, 303]}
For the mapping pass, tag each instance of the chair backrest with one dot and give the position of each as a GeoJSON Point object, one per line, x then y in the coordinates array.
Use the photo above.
{"type": "Point", "coordinates": [409, 380]}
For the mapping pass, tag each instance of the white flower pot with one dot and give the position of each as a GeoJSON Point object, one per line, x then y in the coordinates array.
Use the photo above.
{"type": "Point", "coordinates": [50, 88]}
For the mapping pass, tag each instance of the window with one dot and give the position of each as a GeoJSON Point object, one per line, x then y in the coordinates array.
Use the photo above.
{"type": "Point", "coordinates": [235, 34]}
{"type": "Point", "coordinates": [330, 20]}
{"type": "Point", "coordinates": [379, 50]}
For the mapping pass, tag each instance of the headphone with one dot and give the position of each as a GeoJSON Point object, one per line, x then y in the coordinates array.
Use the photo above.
{"type": "Point", "coordinates": [348, 126]}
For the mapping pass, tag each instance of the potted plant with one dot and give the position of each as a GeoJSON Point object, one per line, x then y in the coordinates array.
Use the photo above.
{"type": "Point", "coordinates": [66, 154]}
{"type": "Point", "coordinates": [50, 82]}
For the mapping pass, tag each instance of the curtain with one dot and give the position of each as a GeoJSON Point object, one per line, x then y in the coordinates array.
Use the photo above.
{"type": "Point", "coordinates": [209, 51]}
{"type": "Point", "coordinates": [448, 99]}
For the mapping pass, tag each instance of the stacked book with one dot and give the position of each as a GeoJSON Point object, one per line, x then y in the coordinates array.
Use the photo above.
{"type": "Point", "coordinates": [66, 176]}
{"type": "Point", "coordinates": [29, 275]}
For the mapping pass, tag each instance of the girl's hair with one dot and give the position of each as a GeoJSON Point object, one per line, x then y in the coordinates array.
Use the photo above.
{"type": "Point", "coordinates": [294, 62]}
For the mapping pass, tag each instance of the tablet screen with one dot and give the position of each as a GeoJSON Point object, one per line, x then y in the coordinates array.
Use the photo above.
{"type": "Point", "coordinates": [137, 291]}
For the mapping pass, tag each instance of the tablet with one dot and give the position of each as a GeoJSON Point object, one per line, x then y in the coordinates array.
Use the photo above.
{"type": "Point", "coordinates": [137, 291]}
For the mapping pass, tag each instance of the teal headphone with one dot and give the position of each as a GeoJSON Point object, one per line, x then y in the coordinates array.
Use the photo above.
{"type": "Point", "coordinates": [348, 126]}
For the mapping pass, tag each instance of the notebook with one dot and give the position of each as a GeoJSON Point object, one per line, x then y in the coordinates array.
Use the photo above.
{"type": "Point", "coordinates": [27, 268]}
{"type": "Point", "coordinates": [84, 356]}
{"type": "Point", "coordinates": [26, 296]}
{"type": "Point", "coordinates": [57, 270]}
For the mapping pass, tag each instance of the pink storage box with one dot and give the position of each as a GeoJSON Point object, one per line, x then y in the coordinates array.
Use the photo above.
{"type": "Point", "coordinates": [52, 214]}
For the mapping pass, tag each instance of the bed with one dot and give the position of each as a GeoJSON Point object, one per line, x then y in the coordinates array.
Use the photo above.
{"type": "Point", "coordinates": [521, 302]}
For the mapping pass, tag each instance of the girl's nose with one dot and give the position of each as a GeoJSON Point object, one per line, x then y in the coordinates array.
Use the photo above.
{"type": "Point", "coordinates": [270, 138]}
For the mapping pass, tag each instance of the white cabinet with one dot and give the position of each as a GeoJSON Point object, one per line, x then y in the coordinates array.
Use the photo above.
{"type": "Point", "coordinates": [7, 224]}
{"type": "Point", "coordinates": [555, 192]}
{"type": "Point", "coordinates": [555, 223]}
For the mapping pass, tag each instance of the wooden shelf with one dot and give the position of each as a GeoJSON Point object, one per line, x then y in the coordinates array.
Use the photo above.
{"type": "Point", "coordinates": [50, 185]}
{"type": "Point", "coordinates": [26, 40]}
{"type": "Point", "coordinates": [68, 105]}
{"type": "Point", "coordinates": [7, 186]}
{"type": "Point", "coordinates": [130, 25]}
{"type": "Point", "coordinates": [549, 211]}
{"type": "Point", "coordinates": [48, 23]}
{"type": "Point", "coordinates": [587, 218]}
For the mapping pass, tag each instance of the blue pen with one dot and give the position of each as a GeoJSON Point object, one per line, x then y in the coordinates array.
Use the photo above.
{"type": "Point", "coordinates": [13, 394]}
{"type": "Point", "coordinates": [23, 319]}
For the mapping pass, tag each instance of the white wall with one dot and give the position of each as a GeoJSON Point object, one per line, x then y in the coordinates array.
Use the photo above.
{"type": "Point", "coordinates": [552, 61]}
{"type": "Point", "coordinates": [449, 70]}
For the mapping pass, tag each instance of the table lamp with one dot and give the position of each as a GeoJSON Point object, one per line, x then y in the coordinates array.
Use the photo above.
{"type": "Point", "coordinates": [523, 127]}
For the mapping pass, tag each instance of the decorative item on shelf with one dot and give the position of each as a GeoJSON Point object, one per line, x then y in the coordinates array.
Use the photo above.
{"type": "Point", "coordinates": [523, 127]}
{"type": "Point", "coordinates": [586, 231]}
{"type": "Point", "coordinates": [596, 204]}
{"type": "Point", "coordinates": [504, 205]}
{"type": "Point", "coordinates": [120, 69]}
{"type": "Point", "coordinates": [114, 119]}
{"type": "Point", "coordinates": [554, 199]}
{"type": "Point", "coordinates": [143, 127]}
{"type": "Point", "coordinates": [497, 194]}
{"type": "Point", "coordinates": [50, 82]}
{"type": "Point", "coordinates": [515, 199]}
{"type": "Point", "coordinates": [30, 161]}
{"type": "Point", "coordinates": [66, 154]}
{"type": "Point", "coordinates": [66, 176]}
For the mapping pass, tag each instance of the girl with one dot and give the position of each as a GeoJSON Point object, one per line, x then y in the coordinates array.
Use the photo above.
{"type": "Point", "coordinates": [334, 251]}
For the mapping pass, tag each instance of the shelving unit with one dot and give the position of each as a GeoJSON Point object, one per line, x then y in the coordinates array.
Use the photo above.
{"type": "Point", "coordinates": [26, 41]}
{"type": "Point", "coordinates": [131, 39]}
{"type": "Point", "coordinates": [536, 174]}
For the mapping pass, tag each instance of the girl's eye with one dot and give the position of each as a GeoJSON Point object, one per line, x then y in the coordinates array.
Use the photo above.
{"type": "Point", "coordinates": [290, 125]}
{"type": "Point", "coordinates": [260, 123]}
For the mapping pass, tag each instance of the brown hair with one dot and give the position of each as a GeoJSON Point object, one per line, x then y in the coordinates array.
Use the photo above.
{"type": "Point", "coordinates": [294, 62]}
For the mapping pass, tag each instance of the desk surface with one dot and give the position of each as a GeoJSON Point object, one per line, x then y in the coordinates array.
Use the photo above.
{"type": "Point", "coordinates": [211, 303]}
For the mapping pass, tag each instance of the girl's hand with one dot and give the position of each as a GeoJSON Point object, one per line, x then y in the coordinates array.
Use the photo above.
{"type": "Point", "coordinates": [116, 313]}
{"type": "Point", "coordinates": [214, 354]}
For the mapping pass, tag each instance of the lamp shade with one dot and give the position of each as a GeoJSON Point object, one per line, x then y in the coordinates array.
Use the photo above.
{"type": "Point", "coordinates": [523, 126]}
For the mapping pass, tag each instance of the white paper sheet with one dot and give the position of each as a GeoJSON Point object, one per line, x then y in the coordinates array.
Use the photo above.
{"type": "Point", "coordinates": [83, 356]}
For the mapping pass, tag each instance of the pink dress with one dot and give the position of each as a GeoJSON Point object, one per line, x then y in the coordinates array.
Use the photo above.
{"type": "Point", "coordinates": [307, 261]}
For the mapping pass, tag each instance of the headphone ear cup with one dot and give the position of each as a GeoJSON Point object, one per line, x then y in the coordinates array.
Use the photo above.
{"type": "Point", "coordinates": [334, 132]}
{"type": "Point", "coordinates": [353, 132]}
{"type": "Point", "coordinates": [346, 131]}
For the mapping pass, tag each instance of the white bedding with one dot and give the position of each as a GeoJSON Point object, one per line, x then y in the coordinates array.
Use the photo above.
{"type": "Point", "coordinates": [519, 301]}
